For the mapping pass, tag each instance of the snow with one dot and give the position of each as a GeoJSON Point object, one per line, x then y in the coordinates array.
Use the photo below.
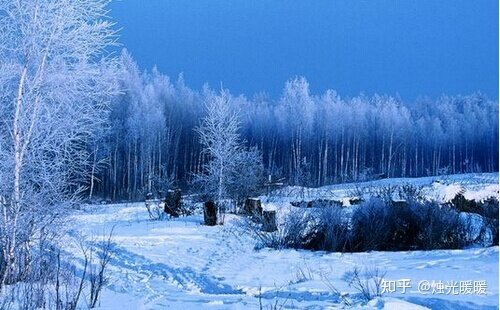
{"type": "Point", "coordinates": [181, 264]}
{"type": "Point", "coordinates": [476, 186]}
{"type": "Point", "coordinates": [394, 304]}
{"type": "Point", "coordinates": [483, 194]}
{"type": "Point", "coordinates": [445, 193]}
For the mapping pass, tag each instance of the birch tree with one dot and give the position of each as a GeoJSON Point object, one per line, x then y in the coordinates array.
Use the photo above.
{"type": "Point", "coordinates": [306, 138]}
{"type": "Point", "coordinates": [56, 78]}
{"type": "Point", "coordinates": [222, 147]}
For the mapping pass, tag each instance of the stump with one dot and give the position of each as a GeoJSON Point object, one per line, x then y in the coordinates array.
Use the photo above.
{"type": "Point", "coordinates": [269, 221]}
{"type": "Point", "coordinates": [173, 202]}
{"type": "Point", "coordinates": [210, 213]}
{"type": "Point", "coordinates": [253, 207]}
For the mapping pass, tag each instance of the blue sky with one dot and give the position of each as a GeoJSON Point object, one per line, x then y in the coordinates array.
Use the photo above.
{"type": "Point", "coordinates": [410, 48]}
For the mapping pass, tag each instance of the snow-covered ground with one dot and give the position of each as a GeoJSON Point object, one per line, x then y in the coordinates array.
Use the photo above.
{"type": "Point", "coordinates": [474, 186]}
{"type": "Point", "coordinates": [181, 264]}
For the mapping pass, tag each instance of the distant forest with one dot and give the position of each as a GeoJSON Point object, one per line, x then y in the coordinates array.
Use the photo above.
{"type": "Point", "coordinates": [306, 139]}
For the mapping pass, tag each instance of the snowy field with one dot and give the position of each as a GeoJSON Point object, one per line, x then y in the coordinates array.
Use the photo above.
{"type": "Point", "coordinates": [474, 186]}
{"type": "Point", "coordinates": [181, 264]}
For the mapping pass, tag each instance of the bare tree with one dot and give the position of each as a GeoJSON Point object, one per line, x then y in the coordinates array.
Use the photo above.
{"type": "Point", "coordinates": [56, 79]}
{"type": "Point", "coordinates": [222, 146]}
{"type": "Point", "coordinates": [97, 276]}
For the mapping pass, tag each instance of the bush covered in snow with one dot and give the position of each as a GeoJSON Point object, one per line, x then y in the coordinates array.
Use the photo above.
{"type": "Point", "coordinates": [372, 226]}
{"type": "Point", "coordinates": [333, 228]}
{"type": "Point", "coordinates": [487, 209]}
{"type": "Point", "coordinates": [378, 225]}
{"type": "Point", "coordinates": [400, 217]}
{"type": "Point", "coordinates": [416, 225]}
{"type": "Point", "coordinates": [297, 232]}
{"type": "Point", "coordinates": [439, 227]}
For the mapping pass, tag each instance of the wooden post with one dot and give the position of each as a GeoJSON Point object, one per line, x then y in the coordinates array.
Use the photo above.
{"type": "Point", "coordinates": [173, 202]}
{"type": "Point", "coordinates": [210, 213]}
{"type": "Point", "coordinates": [269, 221]}
{"type": "Point", "coordinates": [253, 207]}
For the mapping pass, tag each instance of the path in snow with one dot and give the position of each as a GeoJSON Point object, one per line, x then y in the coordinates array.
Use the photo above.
{"type": "Point", "coordinates": [180, 264]}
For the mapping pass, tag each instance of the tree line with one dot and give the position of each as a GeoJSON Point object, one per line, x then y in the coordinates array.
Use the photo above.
{"type": "Point", "coordinates": [78, 121]}
{"type": "Point", "coordinates": [308, 139]}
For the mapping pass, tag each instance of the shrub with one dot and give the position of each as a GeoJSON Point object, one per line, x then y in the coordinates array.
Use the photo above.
{"type": "Point", "coordinates": [368, 282]}
{"type": "Point", "coordinates": [52, 279]}
{"type": "Point", "coordinates": [319, 229]}
{"type": "Point", "coordinates": [334, 229]}
{"type": "Point", "coordinates": [404, 227]}
{"type": "Point", "coordinates": [377, 225]}
{"type": "Point", "coordinates": [311, 229]}
{"type": "Point", "coordinates": [489, 211]}
{"type": "Point", "coordinates": [461, 204]}
{"type": "Point", "coordinates": [411, 193]}
{"type": "Point", "coordinates": [371, 226]}
{"type": "Point", "coordinates": [382, 226]}
{"type": "Point", "coordinates": [439, 227]}
{"type": "Point", "coordinates": [293, 232]}
{"type": "Point", "coordinates": [300, 230]}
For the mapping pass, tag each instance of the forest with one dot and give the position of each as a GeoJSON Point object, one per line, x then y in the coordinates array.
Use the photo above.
{"type": "Point", "coordinates": [82, 125]}
{"type": "Point", "coordinates": [307, 139]}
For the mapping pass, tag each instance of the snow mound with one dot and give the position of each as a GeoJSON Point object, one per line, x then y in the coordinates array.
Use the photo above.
{"type": "Point", "coordinates": [482, 194]}
{"type": "Point", "coordinates": [445, 193]}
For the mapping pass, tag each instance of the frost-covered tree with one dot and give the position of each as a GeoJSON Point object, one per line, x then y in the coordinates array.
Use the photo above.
{"type": "Point", "coordinates": [231, 172]}
{"type": "Point", "coordinates": [222, 146]}
{"type": "Point", "coordinates": [305, 138]}
{"type": "Point", "coordinates": [297, 110]}
{"type": "Point", "coordinates": [248, 176]}
{"type": "Point", "coordinates": [56, 80]}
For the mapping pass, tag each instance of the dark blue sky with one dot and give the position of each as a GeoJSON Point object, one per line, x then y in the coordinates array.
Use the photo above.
{"type": "Point", "coordinates": [411, 48]}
